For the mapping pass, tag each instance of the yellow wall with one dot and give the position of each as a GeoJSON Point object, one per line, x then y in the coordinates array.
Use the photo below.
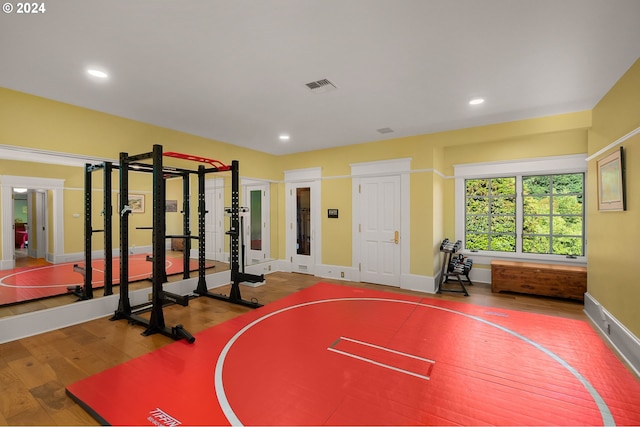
{"type": "Point", "coordinates": [613, 236]}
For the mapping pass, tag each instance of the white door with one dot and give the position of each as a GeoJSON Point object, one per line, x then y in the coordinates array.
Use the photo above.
{"type": "Point", "coordinates": [39, 228]}
{"type": "Point", "coordinates": [256, 223]}
{"type": "Point", "coordinates": [303, 229]}
{"type": "Point", "coordinates": [214, 220]}
{"type": "Point", "coordinates": [379, 200]}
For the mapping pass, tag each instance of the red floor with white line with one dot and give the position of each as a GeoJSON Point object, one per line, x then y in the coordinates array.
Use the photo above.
{"type": "Point", "coordinates": [31, 283]}
{"type": "Point", "coordinates": [337, 355]}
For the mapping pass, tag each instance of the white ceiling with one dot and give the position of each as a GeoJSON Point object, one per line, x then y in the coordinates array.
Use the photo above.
{"type": "Point", "coordinates": [235, 70]}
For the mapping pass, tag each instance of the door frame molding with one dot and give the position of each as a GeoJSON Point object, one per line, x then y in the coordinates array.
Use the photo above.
{"type": "Point", "coordinates": [302, 176]}
{"type": "Point", "coordinates": [402, 168]}
{"type": "Point", "coordinates": [7, 183]}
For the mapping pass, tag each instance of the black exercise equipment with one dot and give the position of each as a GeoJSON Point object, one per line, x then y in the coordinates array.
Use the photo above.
{"type": "Point", "coordinates": [234, 233]}
{"type": "Point", "coordinates": [85, 292]}
{"type": "Point", "coordinates": [159, 297]}
{"type": "Point", "coordinates": [457, 266]}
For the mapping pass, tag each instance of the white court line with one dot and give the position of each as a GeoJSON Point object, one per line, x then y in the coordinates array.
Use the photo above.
{"type": "Point", "coordinates": [393, 368]}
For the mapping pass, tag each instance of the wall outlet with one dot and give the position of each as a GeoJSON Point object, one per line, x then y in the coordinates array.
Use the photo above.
{"type": "Point", "coordinates": [150, 297]}
{"type": "Point", "coordinates": [342, 274]}
{"type": "Point", "coordinates": [269, 267]}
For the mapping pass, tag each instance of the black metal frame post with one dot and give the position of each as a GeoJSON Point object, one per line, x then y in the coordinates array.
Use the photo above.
{"type": "Point", "coordinates": [124, 304]}
{"type": "Point", "coordinates": [156, 323]}
{"type": "Point", "coordinates": [108, 230]}
{"type": "Point", "coordinates": [202, 211]}
{"type": "Point", "coordinates": [85, 292]}
{"type": "Point", "coordinates": [186, 226]}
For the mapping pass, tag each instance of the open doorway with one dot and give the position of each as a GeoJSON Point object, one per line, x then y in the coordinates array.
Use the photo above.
{"type": "Point", "coordinates": [44, 223]}
{"type": "Point", "coordinates": [30, 225]}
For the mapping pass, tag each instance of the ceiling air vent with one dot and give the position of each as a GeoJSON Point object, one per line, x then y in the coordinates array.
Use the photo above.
{"type": "Point", "coordinates": [321, 86]}
{"type": "Point", "coordinates": [385, 130]}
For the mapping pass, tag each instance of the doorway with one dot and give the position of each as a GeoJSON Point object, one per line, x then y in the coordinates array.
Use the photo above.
{"type": "Point", "coordinates": [303, 219]}
{"type": "Point", "coordinates": [44, 226]}
{"type": "Point", "coordinates": [214, 220]}
{"type": "Point", "coordinates": [381, 221]}
{"type": "Point", "coordinates": [379, 199]}
{"type": "Point", "coordinates": [256, 222]}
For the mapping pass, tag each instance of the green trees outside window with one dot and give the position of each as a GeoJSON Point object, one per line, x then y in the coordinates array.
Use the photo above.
{"type": "Point", "coordinates": [491, 214]}
{"type": "Point", "coordinates": [552, 214]}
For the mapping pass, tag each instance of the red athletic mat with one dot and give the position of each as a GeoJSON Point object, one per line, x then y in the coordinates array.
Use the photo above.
{"type": "Point", "coordinates": [338, 355]}
{"type": "Point", "coordinates": [30, 283]}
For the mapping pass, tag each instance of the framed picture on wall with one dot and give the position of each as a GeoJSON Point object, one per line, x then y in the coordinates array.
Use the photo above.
{"type": "Point", "coordinates": [136, 201]}
{"type": "Point", "coordinates": [611, 182]}
{"type": "Point", "coordinates": [171, 205]}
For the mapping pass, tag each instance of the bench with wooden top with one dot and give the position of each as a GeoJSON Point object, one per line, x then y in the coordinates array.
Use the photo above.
{"type": "Point", "coordinates": [553, 280]}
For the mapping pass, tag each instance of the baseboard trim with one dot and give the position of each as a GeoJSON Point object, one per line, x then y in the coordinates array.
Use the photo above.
{"type": "Point", "coordinates": [624, 341]}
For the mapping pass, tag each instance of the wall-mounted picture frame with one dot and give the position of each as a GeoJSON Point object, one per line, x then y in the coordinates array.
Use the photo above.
{"type": "Point", "coordinates": [611, 182]}
{"type": "Point", "coordinates": [171, 206]}
{"type": "Point", "coordinates": [136, 202]}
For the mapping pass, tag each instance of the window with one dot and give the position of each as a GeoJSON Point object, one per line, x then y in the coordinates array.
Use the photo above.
{"type": "Point", "coordinates": [491, 214]}
{"type": "Point", "coordinates": [553, 214]}
{"type": "Point", "coordinates": [530, 209]}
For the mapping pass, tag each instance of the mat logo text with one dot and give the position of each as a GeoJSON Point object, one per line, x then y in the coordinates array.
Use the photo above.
{"type": "Point", "coordinates": [160, 418]}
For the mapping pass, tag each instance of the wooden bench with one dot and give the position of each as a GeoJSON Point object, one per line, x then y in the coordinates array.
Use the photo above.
{"type": "Point", "coordinates": [552, 280]}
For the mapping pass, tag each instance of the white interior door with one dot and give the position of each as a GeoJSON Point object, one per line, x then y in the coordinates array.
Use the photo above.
{"type": "Point", "coordinates": [256, 223]}
{"type": "Point", "coordinates": [39, 227]}
{"type": "Point", "coordinates": [303, 229]}
{"type": "Point", "coordinates": [214, 220]}
{"type": "Point", "coordinates": [379, 200]}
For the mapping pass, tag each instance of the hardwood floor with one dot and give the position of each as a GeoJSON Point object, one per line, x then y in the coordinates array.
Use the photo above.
{"type": "Point", "coordinates": [34, 371]}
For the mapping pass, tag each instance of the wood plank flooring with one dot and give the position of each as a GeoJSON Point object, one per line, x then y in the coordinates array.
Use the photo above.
{"type": "Point", "coordinates": [34, 371]}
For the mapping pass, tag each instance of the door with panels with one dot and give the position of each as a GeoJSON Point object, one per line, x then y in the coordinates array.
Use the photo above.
{"type": "Point", "coordinates": [214, 220]}
{"type": "Point", "coordinates": [379, 229]}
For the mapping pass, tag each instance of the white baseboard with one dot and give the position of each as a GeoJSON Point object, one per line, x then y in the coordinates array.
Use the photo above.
{"type": "Point", "coordinates": [414, 282]}
{"type": "Point", "coordinates": [336, 272]}
{"type": "Point", "coordinates": [623, 340]}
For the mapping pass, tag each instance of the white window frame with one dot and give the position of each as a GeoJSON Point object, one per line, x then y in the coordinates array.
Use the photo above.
{"type": "Point", "coordinates": [537, 166]}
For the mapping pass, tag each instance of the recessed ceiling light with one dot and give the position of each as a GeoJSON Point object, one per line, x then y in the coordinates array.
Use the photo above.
{"type": "Point", "coordinates": [476, 101]}
{"type": "Point", "coordinates": [97, 73]}
{"type": "Point", "coordinates": [284, 137]}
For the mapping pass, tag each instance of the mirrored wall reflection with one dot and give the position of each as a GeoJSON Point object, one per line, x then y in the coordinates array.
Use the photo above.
{"type": "Point", "coordinates": [303, 215]}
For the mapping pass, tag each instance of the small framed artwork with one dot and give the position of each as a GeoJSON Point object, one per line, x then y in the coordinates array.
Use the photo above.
{"type": "Point", "coordinates": [171, 206]}
{"type": "Point", "coordinates": [611, 182]}
{"type": "Point", "coordinates": [136, 202]}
